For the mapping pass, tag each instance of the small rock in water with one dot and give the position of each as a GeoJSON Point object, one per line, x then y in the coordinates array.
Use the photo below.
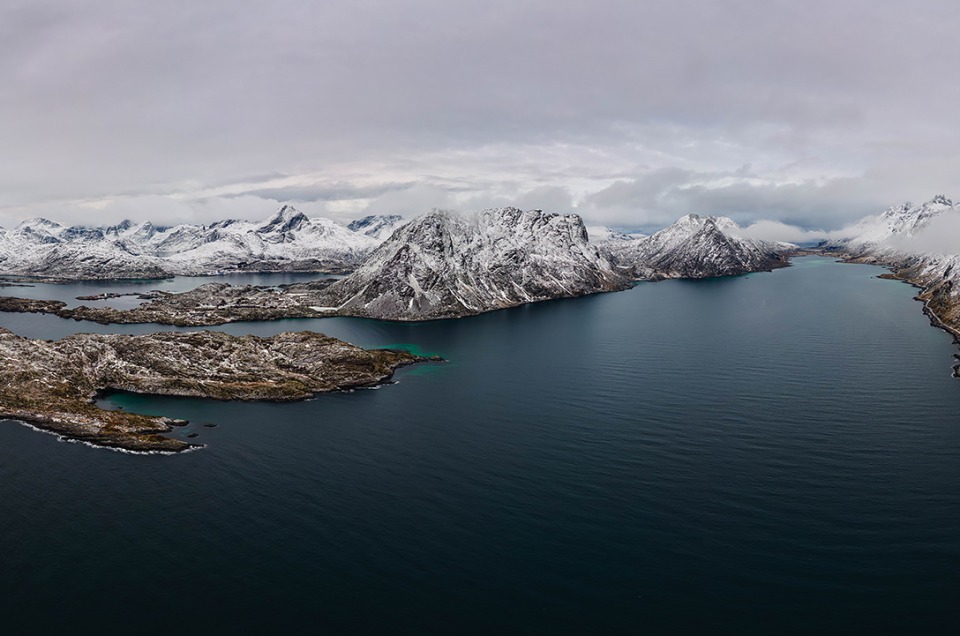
{"type": "Point", "coordinates": [192, 435]}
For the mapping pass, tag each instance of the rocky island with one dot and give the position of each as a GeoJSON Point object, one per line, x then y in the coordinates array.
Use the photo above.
{"type": "Point", "coordinates": [52, 385]}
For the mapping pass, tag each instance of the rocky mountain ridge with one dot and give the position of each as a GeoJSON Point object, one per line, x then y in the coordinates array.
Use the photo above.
{"type": "Point", "coordinates": [448, 265]}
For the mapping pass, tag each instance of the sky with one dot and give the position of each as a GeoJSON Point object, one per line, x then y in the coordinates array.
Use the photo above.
{"type": "Point", "coordinates": [800, 115]}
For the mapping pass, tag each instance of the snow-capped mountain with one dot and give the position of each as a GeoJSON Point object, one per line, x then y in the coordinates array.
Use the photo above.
{"type": "Point", "coordinates": [45, 248]}
{"type": "Point", "coordinates": [377, 226]}
{"type": "Point", "coordinates": [696, 247]}
{"type": "Point", "coordinates": [287, 241]}
{"type": "Point", "coordinates": [444, 265]}
{"type": "Point", "coordinates": [885, 230]}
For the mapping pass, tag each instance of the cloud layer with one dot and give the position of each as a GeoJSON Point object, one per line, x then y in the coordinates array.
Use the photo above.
{"type": "Point", "coordinates": [631, 113]}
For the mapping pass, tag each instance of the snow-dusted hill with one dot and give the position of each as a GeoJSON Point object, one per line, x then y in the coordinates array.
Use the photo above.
{"type": "Point", "coordinates": [696, 247]}
{"type": "Point", "coordinates": [444, 264]}
{"type": "Point", "coordinates": [286, 241]}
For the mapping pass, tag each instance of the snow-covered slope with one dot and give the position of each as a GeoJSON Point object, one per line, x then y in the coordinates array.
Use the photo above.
{"type": "Point", "coordinates": [287, 241]}
{"type": "Point", "coordinates": [696, 247]}
{"type": "Point", "coordinates": [45, 248]}
{"type": "Point", "coordinates": [892, 226]}
{"type": "Point", "coordinates": [444, 265]}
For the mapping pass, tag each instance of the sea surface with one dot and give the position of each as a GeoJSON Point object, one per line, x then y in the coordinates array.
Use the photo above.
{"type": "Point", "coordinates": [775, 453]}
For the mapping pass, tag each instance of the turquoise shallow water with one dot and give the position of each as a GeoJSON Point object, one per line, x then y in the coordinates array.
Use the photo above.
{"type": "Point", "coordinates": [773, 453]}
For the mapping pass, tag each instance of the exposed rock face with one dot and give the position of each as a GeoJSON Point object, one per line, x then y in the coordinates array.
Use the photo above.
{"type": "Point", "coordinates": [287, 241]}
{"type": "Point", "coordinates": [696, 247]}
{"type": "Point", "coordinates": [445, 265]}
{"type": "Point", "coordinates": [52, 384]}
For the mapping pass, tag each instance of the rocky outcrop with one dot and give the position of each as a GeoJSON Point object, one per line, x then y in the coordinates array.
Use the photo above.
{"type": "Point", "coordinates": [696, 247]}
{"type": "Point", "coordinates": [52, 385]}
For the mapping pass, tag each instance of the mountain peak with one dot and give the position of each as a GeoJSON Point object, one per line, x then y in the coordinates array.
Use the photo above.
{"type": "Point", "coordinates": [39, 222]}
{"type": "Point", "coordinates": [285, 219]}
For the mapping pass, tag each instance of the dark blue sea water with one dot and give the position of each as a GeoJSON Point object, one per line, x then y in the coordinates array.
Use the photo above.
{"type": "Point", "coordinates": [768, 454]}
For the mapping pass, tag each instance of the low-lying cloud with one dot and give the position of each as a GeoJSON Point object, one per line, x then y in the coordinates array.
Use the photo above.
{"type": "Point", "coordinates": [940, 236]}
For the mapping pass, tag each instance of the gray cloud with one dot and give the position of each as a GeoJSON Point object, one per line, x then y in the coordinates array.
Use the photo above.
{"type": "Point", "coordinates": [325, 192]}
{"type": "Point", "coordinates": [837, 107]}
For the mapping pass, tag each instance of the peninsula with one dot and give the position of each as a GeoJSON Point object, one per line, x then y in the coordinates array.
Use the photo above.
{"type": "Point", "coordinates": [52, 385]}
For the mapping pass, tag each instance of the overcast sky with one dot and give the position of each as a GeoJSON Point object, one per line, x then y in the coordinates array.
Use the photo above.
{"type": "Point", "coordinates": [631, 112]}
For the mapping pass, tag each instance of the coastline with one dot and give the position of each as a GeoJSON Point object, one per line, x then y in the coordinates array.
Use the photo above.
{"type": "Point", "coordinates": [927, 296]}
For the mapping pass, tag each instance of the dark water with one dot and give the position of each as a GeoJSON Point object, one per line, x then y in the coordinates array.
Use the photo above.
{"type": "Point", "coordinates": [776, 453]}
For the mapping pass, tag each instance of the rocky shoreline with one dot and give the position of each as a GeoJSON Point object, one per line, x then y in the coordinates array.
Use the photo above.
{"type": "Point", "coordinates": [52, 385]}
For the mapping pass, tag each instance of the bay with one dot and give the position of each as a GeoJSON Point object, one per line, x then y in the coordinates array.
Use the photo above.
{"type": "Point", "coordinates": [771, 453]}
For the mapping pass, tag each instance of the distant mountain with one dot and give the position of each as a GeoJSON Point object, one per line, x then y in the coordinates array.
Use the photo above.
{"type": "Point", "coordinates": [444, 265]}
{"type": "Point", "coordinates": [898, 222]}
{"type": "Point", "coordinates": [286, 241]}
{"type": "Point", "coordinates": [696, 247]}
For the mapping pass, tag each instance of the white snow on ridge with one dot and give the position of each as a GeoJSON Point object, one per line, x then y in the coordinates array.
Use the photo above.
{"type": "Point", "coordinates": [288, 241]}
{"type": "Point", "coordinates": [697, 247]}
{"type": "Point", "coordinates": [895, 226]}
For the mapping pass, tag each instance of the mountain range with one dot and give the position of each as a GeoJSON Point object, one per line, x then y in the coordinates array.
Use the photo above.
{"type": "Point", "coordinates": [286, 241]}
